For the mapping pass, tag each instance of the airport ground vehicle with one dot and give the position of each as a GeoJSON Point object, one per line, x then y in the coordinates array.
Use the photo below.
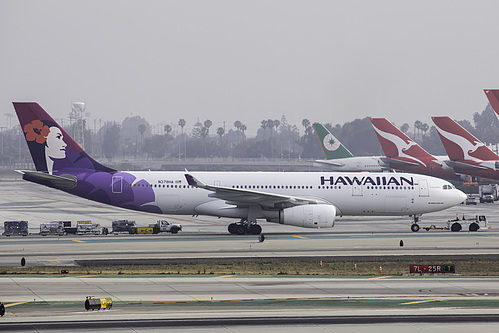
{"type": "Point", "coordinates": [53, 228]}
{"type": "Point", "coordinates": [122, 226]}
{"type": "Point", "coordinates": [89, 228]}
{"type": "Point", "coordinates": [165, 226]}
{"type": "Point", "coordinates": [478, 222]}
{"type": "Point", "coordinates": [156, 228]}
{"type": "Point", "coordinates": [470, 224]}
{"type": "Point", "coordinates": [487, 193]}
{"type": "Point", "coordinates": [15, 228]}
{"type": "Point", "coordinates": [471, 200]}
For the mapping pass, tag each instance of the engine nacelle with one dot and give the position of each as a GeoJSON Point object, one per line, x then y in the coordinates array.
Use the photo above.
{"type": "Point", "coordinates": [309, 216]}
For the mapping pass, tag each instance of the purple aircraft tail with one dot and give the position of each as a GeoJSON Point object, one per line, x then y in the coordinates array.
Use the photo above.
{"type": "Point", "coordinates": [53, 151]}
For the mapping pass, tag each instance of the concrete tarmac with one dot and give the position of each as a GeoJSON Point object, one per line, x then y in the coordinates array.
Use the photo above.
{"type": "Point", "coordinates": [235, 303]}
{"type": "Point", "coordinates": [208, 237]}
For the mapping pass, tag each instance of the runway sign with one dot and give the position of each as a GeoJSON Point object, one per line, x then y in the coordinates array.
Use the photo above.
{"type": "Point", "coordinates": [433, 269]}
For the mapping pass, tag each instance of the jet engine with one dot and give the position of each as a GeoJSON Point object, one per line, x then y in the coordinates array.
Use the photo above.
{"type": "Point", "coordinates": [309, 216]}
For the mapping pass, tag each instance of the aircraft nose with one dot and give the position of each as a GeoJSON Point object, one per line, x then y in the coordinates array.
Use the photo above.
{"type": "Point", "coordinates": [462, 196]}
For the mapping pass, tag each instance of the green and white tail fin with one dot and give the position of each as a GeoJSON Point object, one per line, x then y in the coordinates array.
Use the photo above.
{"type": "Point", "coordinates": [331, 146]}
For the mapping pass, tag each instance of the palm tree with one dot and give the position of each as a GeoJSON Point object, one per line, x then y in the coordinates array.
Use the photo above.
{"type": "Point", "coordinates": [243, 128]}
{"type": "Point", "coordinates": [270, 124]}
{"type": "Point", "coordinates": [181, 123]}
{"type": "Point", "coordinates": [264, 126]}
{"type": "Point", "coordinates": [167, 129]}
{"type": "Point", "coordinates": [207, 124]}
{"type": "Point", "coordinates": [424, 128]}
{"type": "Point", "coordinates": [277, 123]}
{"type": "Point", "coordinates": [142, 128]}
{"type": "Point", "coordinates": [305, 123]}
{"type": "Point", "coordinates": [220, 132]}
{"type": "Point", "coordinates": [237, 124]}
{"type": "Point", "coordinates": [417, 125]}
{"type": "Point", "coordinates": [404, 128]}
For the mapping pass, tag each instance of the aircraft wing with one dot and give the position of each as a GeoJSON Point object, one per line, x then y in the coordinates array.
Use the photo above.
{"type": "Point", "coordinates": [238, 196]}
{"type": "Point", "coordinates": [463, 165]}
{"type": "Point", "coordinates": [395, 162]}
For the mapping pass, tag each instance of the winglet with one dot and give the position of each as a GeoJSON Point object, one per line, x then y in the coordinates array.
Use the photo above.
{"type": "Point", "coordinates": [193, 181]}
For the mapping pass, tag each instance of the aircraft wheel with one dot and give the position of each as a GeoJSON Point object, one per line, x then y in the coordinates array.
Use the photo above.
{"type": "Point", "coordinates": [415, 227]}
{"type": "Point", "coordinates": [255, 229]}
{"type": "Point", "coordinates": [456, 227]}
{"type": "Point", "coordinates": [233, 228]}
{"type": "Point", "coordinates": [474, 226]}
{"type": "Point", "coordinates": [240, 229]}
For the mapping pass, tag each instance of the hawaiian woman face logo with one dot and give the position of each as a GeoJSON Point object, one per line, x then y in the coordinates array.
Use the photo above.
{"type": "Point", "coordinates": [51, 137]}
{"type": "Point", "coordinates": [56, 147]}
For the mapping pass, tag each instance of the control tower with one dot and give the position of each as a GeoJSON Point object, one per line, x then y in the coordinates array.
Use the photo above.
{"type": "Point", "coordinates": [77, 121]}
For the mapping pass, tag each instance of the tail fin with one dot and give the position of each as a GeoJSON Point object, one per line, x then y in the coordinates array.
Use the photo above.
{"type": "Point", "coordinates": [461, 144]}
{"type": "Point", "coordinates": [396, 144]}
{"type": "Point", "coordinates": [493, 96]}
{"type": "Point", "coordinates": [331, 146]}
{"type": "Point", "coordinates": [52, 149]}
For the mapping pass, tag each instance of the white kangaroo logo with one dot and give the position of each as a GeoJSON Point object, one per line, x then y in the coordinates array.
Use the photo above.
{"type": "Point", "coordinates": [466, 146]}
{"type": "Point", "coordinates": [400, 143]}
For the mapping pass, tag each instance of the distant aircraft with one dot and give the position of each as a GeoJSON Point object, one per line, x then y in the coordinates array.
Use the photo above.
{"type": "Point", "coordinates": [303, 199]}
{"type": "Point", "coordinates": [467, 154]}
{"type": "Point", "coordinates": [339, 158]}
{"type": "Point", "coordinates": [402, 153]}
{"type": "Point", "coordinates": [493, 97]}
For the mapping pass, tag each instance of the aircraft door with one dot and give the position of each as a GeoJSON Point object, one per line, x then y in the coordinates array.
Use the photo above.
{"type": "Point", "coordinates": [423, 188]}
{"type": "Point", "coordinates": [356, 190]}
{"type": "Point", "coordinates": [117, 184]}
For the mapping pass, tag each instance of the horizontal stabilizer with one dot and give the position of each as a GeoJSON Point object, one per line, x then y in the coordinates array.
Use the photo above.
{"type": "Point", "coordinates": [329, 162]}
{"type": "Point", "coordinates": [65, 181]}
{"type": "Point", "coordinates": [463, 165]}
{"type": "Point", "coordinates": [395, 162]}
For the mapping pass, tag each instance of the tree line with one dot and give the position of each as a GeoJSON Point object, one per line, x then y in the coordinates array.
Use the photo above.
{"type": "Point", "coordinates": [133, 138]}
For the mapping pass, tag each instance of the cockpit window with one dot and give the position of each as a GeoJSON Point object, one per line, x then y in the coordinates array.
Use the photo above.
{"type": "Point", "coordinates": [448, 187]}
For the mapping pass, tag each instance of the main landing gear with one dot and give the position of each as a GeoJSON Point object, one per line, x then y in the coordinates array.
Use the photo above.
{"type": "Point", "coordinates": [244, 227]}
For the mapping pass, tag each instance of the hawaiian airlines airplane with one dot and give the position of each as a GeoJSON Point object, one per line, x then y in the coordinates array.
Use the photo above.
{"type": "Point", "coordinates": [339, 158]}
{"type": "Point", "coordinates": [402, 153]}
{"type": "Point", "coordinates": [306, 199]}
{"type": "Point", "coordinates": [467, 154]}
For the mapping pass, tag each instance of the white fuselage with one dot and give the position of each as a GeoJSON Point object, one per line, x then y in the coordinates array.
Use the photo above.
{"type": "Point", "coordinates": [361, 193]}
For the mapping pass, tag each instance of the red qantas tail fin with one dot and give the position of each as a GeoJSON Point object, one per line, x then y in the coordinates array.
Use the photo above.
{"type": "Point", "coordinates": [395, 143]}
{"type": "Point", "coordinates": [461, 144]}
{"type": "Point", "coordinates": [493, 96]}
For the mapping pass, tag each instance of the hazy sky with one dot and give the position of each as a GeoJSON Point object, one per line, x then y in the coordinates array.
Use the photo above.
{"type": "Point", "coordinates": [327, 61]}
